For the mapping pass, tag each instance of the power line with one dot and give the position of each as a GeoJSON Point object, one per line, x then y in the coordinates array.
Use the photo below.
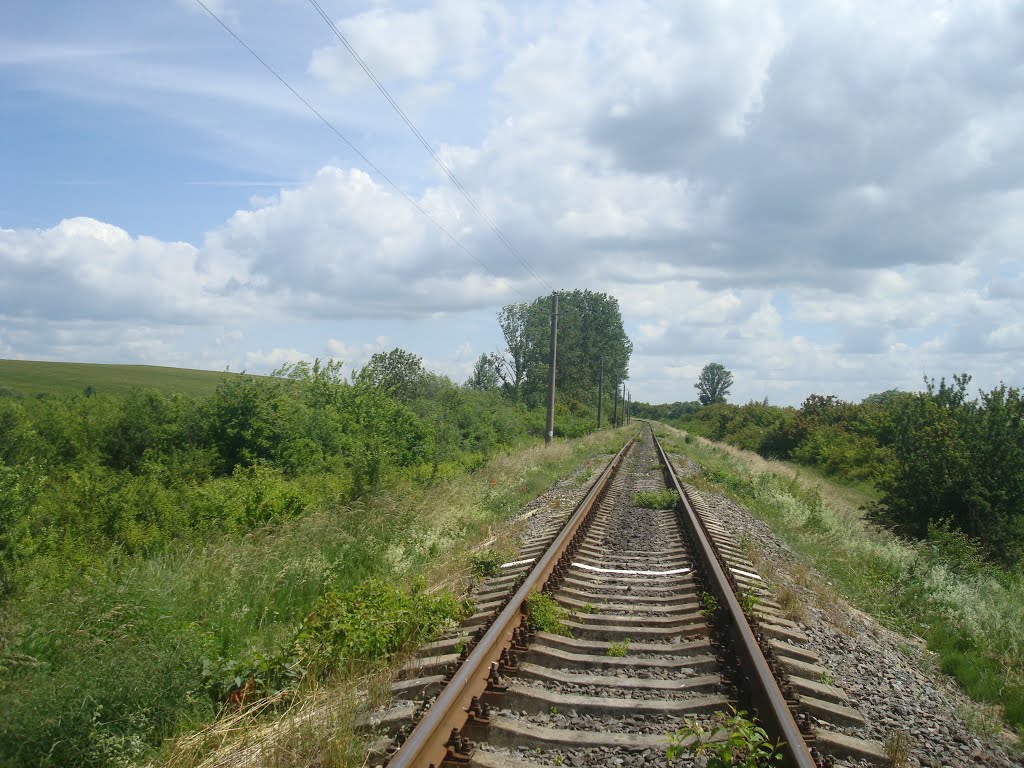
{"type": "Point", "coordinates": [356, 150]}
{"type": "Point", "coordinates": [426, 145]}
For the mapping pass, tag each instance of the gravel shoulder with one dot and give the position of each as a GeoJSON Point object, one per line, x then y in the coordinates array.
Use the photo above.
{"type": "Point", "coordinates": [890, 677]}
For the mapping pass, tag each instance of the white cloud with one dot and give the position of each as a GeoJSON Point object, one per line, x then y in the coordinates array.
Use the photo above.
{"type": "Point", "coordinates": [457, 364]}
{"type": "Point", "coordinates": [824, 197]}
{"type": "Point", "coordinates": [345, 246]}
{"type": "Point", "coordinates": [229, 337]}
{"type": "Point", "coordinates": [408, 45]}
{"type": "Point", "coordinates": [87, 269]}
{"type": "Point", "coordinates": [264, 362]}
{"type": "Point", "coordinates": [355, 355]}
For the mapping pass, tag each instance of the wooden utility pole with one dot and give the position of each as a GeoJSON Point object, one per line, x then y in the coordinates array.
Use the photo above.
{"type": "Point", "coordinates": [600, 393]}
{"type": "Point", "coordinates": [629, 402]}
{"type": "Point", "coordinates": [549, 433]}
{"type": "Point", "coordinates": [615, 408]}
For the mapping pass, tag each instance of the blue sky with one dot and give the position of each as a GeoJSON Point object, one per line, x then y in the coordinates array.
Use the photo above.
{"type": "Point", "coordinates": [824, 197]}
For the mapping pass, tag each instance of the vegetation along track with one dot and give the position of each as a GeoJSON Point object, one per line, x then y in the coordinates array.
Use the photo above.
{"type": "Point", "coordinates": [646, 618]}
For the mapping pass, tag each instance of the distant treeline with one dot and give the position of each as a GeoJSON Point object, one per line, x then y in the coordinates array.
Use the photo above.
{"type": "Point", "coordinates": [938, 457]}
{"type": "Point", "coordinates": [82, 475]}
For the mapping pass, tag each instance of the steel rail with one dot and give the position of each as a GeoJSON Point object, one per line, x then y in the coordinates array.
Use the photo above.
{"type": "Point", "coordinates": [766, 696]}
{"type": "Point", "coordinates": [426, 744]}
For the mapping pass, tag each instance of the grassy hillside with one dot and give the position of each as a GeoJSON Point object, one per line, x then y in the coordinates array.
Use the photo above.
{"type": "Point", "coordinates": [31, 378]}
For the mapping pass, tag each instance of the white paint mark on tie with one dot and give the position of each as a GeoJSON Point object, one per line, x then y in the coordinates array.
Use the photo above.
{"type": "Point", "coordinates": [748, 574]}
{"type": "Point", "coordinates": [514, 563]}
{"type": "Point", "coordinates": [595, 569]}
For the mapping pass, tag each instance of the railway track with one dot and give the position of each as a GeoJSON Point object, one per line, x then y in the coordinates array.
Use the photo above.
{"type": "Point", "coordinates": [662, 620]}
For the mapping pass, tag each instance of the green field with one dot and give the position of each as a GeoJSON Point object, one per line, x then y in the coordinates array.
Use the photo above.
{"type": "Point", "coordinates": [31, 378]}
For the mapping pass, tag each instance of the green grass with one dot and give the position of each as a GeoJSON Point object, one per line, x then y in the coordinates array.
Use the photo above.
{"type": "Point", "coordinates": [487, 562]}
{"type": "Point", "coordinates": [102, 670]}
{"type": "Point", "coordinates": [618, 649]}
{"type": "Point", "coordinates": [666, 499]}
{"type": "Point", "coordinates": [30, 377]}
{"type": "Point", "coordinates": [971, 614]}
{"type": "Point", "coordinates": [547, 615]}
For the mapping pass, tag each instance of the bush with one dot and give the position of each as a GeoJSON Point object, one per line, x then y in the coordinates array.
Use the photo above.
{"type": "Point", "coordinates": [961, 461]}
{"type": "Point", "coordinates": [373, 620]}
{"type": "Point", "coordinates": [486, 563]}
{"type": "Point", "coordinates": [547, 615]}
{"type": "Point", "coordinates": [839, 453]}
{"type": "Point", "coordinates": [732, 740]}
{"type": "Point", "coordinates": [666, 499]}
{"type": "Point", "coordinates": [17, 495]}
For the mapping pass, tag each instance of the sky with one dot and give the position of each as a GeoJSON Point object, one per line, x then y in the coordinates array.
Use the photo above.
{"type": "Point", "coordinates": [824, 197]}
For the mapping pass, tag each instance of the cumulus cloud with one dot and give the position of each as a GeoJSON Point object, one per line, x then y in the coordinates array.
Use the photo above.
{"type": "Point", "coordinates": [345, 245]}
{"type": "Point", "coordinates": [94, 341]}
{"type": "Point", "coordinates": [821, 196]}
{"type": "Point", "coordinates": [87, 269]}
{"type": "Point", "coordinates": [355, 355]}
{"type": "Point", "coordinates": [408, 45]}
{"type": "Point", "coordinates": [262, 362]}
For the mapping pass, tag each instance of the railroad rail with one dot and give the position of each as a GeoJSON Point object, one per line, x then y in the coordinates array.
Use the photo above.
{"type": "Point", "coordinates": [659, 634]}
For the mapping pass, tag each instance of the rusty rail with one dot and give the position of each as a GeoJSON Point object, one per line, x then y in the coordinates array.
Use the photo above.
{"type": "Point", "coordinates": [770, 705]}
{"type": "Point", "coordinates": [429, 742]}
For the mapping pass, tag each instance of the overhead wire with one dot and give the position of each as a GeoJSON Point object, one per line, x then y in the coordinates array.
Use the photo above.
{"type": "Point", "coordinates": [430, 150]}
{"type": "Point", "coordinates": [359, 153]}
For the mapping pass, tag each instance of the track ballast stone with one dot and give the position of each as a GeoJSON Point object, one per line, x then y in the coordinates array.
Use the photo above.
{"type": "Point", "coordinates": [889, 677]}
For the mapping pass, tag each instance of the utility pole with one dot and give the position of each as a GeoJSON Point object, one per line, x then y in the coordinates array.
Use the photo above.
{"type": "Point", "coordinates": [600, 393]}
{"type": "Point", "coordinates": [622, 418]}
{"type": "Point", "coordinates": [615, 408]}
{"type": "Point", "coordinates": [549, 434]}
{"type": "Point", "coordinates": [629, 402]}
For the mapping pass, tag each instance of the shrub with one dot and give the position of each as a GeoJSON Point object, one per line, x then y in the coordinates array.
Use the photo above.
{"type": "Point", "coordinates": [375, 619]}
{"type": "Point", "coordinates": [486, 563]}
{"type": "Point", "coordinates": [547, 615]}
{"type": "Point", "coordinates": [731, 740]}
{"type": "Point", "coordinates": [618, 650]}
{"type": "Point", "coordinates": [666, 499]}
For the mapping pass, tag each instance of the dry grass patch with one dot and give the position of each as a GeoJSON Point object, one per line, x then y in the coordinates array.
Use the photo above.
{"type": "Point", "coordinates": [898, 748]}
{"type": "Point", "coordinates": [792, 604]}
{"type": "Point", "coordinates": [289, 730]}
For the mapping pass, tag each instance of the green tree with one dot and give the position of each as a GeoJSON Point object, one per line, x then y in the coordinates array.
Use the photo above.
{"type": "Point", "coordinates": [713, 384]}
{"type": "Point", "coordinates": [522, 325]}
{"type": "Point", "coordinates": [242, 420]}
{"type": "Point", "coordinates": [590, 330]}
{"type": "Point", "coordinates": [142, 425]}
{"type": "Point", "coordinates": [485, 374]}
{"type": "Point", "coordinates": [399, 373]}
{"type": "Point", "coordinates": [959, 460]}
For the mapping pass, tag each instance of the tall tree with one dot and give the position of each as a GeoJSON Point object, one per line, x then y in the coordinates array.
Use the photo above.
{"type": "Point", "coordinates": [485, 373]}
{"type": "Point", "coordinates": [589, 328]}
{"type": "Point", "coordinates": [399, 373]}
{"type": "Point", "coordinates": [713, 384]}
{"type": "Point", "coordinates": [514, 320]}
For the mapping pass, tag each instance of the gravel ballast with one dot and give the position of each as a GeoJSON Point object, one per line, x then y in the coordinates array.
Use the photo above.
{"type": "Point", "coordinates": [889, 677]}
